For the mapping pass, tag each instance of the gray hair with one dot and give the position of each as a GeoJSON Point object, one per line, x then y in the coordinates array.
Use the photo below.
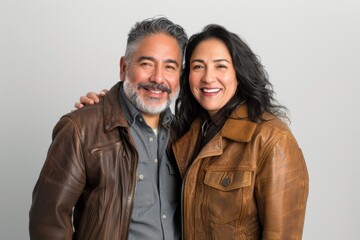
{"type": "Point", "coordinates": [152, 26]}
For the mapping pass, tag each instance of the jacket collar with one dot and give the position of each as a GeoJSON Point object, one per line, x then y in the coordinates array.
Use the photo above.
{"type": "Point", "coordinates": [238, 127]}
{"type": "Point", "coordinates": [113, 112]}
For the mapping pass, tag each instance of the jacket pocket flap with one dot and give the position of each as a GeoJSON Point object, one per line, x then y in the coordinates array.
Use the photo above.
{"type": "Point", "coordinates": [228, 180]}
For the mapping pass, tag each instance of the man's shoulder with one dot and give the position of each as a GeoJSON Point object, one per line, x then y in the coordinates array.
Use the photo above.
{"type": "Point", "coordinates": [97, 110]}
{"type": "Point", "coordinates": [84, 120]}
{"type": "Point", "coordinates": [88, 112]}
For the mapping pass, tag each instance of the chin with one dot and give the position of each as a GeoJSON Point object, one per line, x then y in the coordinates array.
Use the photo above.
{"type": "Point", "coordinates": [155, 109]}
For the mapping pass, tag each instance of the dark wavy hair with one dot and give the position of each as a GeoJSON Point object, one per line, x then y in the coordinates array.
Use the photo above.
{"type": "Point", "coordinates": [254, 88]}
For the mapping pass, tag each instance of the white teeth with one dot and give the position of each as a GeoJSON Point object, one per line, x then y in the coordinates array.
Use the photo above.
{"type": "Point", "coordinates": [210, 90]}
{"type": "Point", "coordinates": [156, 92]}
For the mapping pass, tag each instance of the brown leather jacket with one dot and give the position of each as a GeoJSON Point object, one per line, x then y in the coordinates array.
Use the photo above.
{"type": "Point", "coordinates": [92, 164]}
{"type": "Point", "coordinates": [249, 182]}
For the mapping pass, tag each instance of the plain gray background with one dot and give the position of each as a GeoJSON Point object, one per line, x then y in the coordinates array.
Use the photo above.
{"type": "Point", "coordinates": [51, 52]}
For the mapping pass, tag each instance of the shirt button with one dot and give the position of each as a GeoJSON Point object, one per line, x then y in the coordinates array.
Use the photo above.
{"type": "Point", "coordinates": [140, 119]}
{"type": "Point", "coordinates": [151, 139]}
{"type": "Point", "coordinates": [155, 160]}
{"type": "Point", "coordinates": [141, 177]}
{"type": "Point", "coordinates": [163, 216]}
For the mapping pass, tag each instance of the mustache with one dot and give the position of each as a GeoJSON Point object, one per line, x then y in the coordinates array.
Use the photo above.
{"type": "Point", "coordinates": [155, 86]}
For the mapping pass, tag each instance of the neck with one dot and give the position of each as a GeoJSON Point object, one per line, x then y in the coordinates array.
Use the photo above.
{"type": "Point", "coordinates": [212, 114]}
{"type": "Point", "coordinates": [151, 120]}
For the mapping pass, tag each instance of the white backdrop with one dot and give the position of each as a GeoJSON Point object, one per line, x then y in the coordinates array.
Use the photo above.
{"type": "Point", "coordinates": [51, 52]}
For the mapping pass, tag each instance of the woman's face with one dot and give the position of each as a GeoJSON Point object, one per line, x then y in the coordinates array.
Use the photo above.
{"type": "Point", "coordinates": [212, 75]}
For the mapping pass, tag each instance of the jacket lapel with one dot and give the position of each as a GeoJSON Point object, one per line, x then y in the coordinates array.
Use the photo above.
{"type": "Point", "coordinates": [236, 128]}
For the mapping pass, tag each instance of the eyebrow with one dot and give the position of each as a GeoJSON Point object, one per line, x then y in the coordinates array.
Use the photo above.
{"type": "Point", "coordinates": [216, 60]}
{"type": "Point", "coordinates": [153, 60]}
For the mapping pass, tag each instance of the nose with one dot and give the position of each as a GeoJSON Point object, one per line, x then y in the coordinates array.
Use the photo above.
{"type": "Point", "coordinates": [157, 75]}
{"type": "Point", "coordinates": [209, 76]}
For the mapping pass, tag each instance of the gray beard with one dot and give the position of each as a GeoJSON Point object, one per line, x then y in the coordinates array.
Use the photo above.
{"type": "Point", "coordinates": [149, 106]}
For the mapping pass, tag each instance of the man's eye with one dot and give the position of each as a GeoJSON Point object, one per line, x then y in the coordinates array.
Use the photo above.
{"type": "Point", "coordinates": [146, 64]}
{"type": "Point", "coordinates": [170, 67]}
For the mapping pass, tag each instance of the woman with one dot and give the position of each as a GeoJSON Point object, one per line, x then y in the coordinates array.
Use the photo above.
{"type": "Point", "coordinates": [244, 175]}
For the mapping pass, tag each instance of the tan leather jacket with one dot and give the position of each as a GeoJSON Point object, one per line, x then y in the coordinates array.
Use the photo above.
{"type": "Point", "coordinates": [249, 182]}
{"type": "Point", "coordinates": [91, 163]}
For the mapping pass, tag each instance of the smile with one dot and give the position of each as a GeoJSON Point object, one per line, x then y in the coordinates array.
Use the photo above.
{"type": "Point", "coordinates": [210, 90]}
{"type": "Point", "coordinates": [155, 91]}
{"type": "Point", "coordinates": [154, 88]}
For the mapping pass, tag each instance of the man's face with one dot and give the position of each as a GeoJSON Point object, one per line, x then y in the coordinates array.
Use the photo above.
{"type": "Point", "coordinates": [152, 76]}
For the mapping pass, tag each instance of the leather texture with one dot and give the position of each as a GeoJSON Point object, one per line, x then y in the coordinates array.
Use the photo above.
{"type": "Point", "coordinates": [91, 163]}
{"type": "Point", "coordinates": [249, 182]}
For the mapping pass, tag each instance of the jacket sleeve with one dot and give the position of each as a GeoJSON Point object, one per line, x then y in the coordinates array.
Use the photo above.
{"type": "Point", "coordinates": [282, 189]}
{"type": "Point", "coordinates": [59, 186]}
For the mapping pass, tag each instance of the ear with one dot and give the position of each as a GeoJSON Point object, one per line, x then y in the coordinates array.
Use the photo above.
{"type": "Point", "coordinates": [122, 68]}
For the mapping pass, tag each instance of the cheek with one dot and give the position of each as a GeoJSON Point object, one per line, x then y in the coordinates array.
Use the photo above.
{"type": "Point", "coordinates": [134, 76]}
{"type": "Point", "coordinates": [173, 82]}
{"type": "Point", "coordinates": [232, 85]}
{"type": "Point", "coordinates": [140, 74]}
{"type": "Point", "coordinates": [174, 87]}
{"type": "Point", "coordinates": [195, 93]}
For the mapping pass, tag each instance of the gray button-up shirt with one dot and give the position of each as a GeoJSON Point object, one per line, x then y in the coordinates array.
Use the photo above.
{"type": "Point", "coordinates": [157, 196]}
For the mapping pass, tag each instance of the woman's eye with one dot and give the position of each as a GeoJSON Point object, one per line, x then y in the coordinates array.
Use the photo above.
{"type": "Point", "coordinates": [197, 67]}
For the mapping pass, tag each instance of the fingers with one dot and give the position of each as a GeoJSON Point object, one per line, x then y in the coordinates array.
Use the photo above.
{"type": "Point", "coordinates": [78, 105]}
{"type": "Point", "coordinates": [90, 98]}
{"type": "Point", "coordinates": [84, 100]}
{"type": "Point", "coordinates": [104, 92]}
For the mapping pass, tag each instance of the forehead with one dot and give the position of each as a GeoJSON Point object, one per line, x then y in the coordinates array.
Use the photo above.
{"type": "Point", "coordinates": [211, 48]}
{"type": "Point", "coordinates": [159, 46]}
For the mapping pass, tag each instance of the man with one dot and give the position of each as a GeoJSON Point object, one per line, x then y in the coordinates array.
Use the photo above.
{"type": "Point", "coordinates": [107, 174]}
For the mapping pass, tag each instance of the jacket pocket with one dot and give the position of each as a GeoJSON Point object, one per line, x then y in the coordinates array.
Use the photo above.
{"type": "Point", "coordinates": [104, 165]}
{"type": "Point", "coordinates": [225, 193]}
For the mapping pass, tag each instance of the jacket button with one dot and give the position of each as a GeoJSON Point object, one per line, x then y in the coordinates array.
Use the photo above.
{"type": "Point", "coordinates": [225, 182]}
